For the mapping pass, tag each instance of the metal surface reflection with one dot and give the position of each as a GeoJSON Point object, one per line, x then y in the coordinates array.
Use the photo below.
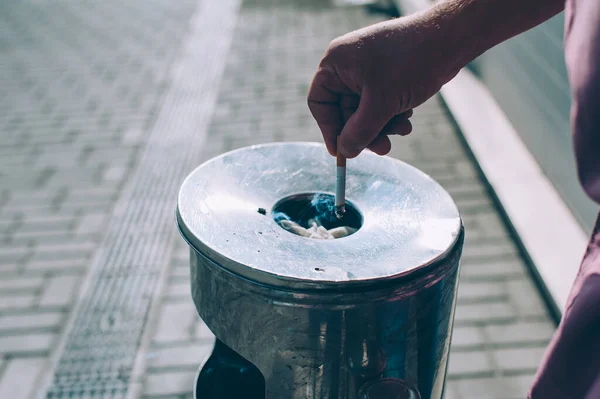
{"type": "Point", "coordinates": [322, 318]}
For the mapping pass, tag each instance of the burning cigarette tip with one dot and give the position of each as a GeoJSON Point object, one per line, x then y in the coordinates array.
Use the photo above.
{"type": "Point", "coordinates": [340, 211]}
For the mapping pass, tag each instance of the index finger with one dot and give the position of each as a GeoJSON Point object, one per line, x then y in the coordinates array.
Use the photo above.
{"type": "Point", "coordinates": [324, 105]}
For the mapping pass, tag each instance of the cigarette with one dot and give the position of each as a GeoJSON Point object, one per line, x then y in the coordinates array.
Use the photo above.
{"type": "Point", "coordinates": [342, 231]}
{"type": "Point", "coordinates": [294, 228]}
{"type": "Point", "coordinates": [340, 186]}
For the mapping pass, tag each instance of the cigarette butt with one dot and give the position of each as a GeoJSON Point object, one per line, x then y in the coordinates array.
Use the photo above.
{"type": "Point", "coordinates": [321, 234]}
{"type": "Point", "coordinates": [294, 228]}
{"type": "Point", "coordinates": [314, 223]}
{"type": "Point", "coordinates": [324, 232]}
{"type": "Point", "coordinates": [342, 231]}
{"type": "Point", "coordinates": [340, 211]}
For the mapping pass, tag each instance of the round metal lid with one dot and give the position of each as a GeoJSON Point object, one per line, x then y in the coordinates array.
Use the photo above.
{"type": "Point", "coordinates": [409, 220]}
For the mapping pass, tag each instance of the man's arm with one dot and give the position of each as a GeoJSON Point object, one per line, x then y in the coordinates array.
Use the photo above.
{"type": "Point", "coordinates": [475, 26]}
{"type": "Point", "coordinates": [370, 79]}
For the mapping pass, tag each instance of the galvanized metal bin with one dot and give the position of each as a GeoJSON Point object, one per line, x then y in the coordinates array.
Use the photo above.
{"type": "Point", "coordinates": [365, 316]}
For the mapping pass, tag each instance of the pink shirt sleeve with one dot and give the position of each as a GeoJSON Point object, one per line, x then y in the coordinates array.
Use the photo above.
{"type": "Point", "coordinates": [571, 366]}
{"type": "Point", "coordinates": [582, 51]}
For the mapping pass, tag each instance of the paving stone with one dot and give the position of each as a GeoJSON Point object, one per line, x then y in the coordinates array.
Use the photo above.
{"type": "Point", "coordinates": [26, 237]}
{"type": "Point", "coordinates": [8, 225]}
{"type": "Point", "coordinates": [451, 390]}
{"type": "Point", "coordinates": [16, 302]}
{"type": "Point", "coordinates": [520, 334]}
{"type": "Point", "coordinates": [12, 254]}
{"type": "Point", "coordinates": [47, 199]}
{"type": "Point", "coordinates": [37, 343]}
{"type": "Point", "coordinates": [472, 292]}
{"type": "Point", "coordinates": [179, 290]}
{"type": "Point", "coordinates": [61, 225]}
{"type": "Point", "coordinates": [27, 284]}
{"type": "Point", "coordinates": [202, 332]}
{"type": "Point", "coordinates": [523, 293]}
{"type": "Point", "coordinates": [484, 313]}
{"type": "Point", "coordinates": [133, 136]}
{"type": "Point", "coordinates": [72, 253]}
{"type": "Point", "coordinates": [181, 272]}
{"type": "Point", "coordinates": [62, 266]}
{"type": "Point", "coordinates": [487, 224]}
{"type": "Point", "coordinates": [467, 190]}
{"type": "Point", "coordinates": [489, 250]}
{"type": "Point", "coordinates": [467, 206]}
{"type": "Point", "coordinates": [9, 267]}
{"type": "Point", "coordinates": [509, 387]}
{"type": "Point", "coordinates": [48, 248]}
{"type": "Point", "coordinates": [493, 270]}
{"type": "Point", "coordinates": [31, 321]}
{"type": "Point", "coordinates": [170, 383]}
{"type": "Point", "coordinates": [116, 173]}
{"type": "Point", "coordinates": [467, 337]}
{"type": "Point", "coordinates": [20, 376]}
{"type": "Point", "coordinates": [474, 239]}
{"type": "Point", "coordinates": [99, 206]}
{"type": "Point", "coordinates": [59, 291]}
{"type": "Point", "coordinates": [522, 359]}
{"type": "Point", "coordinates": [176, 322]}
{"type": "Point", "coordinates": [38, 214]}
{"type": "Point", "coordinates": [89, 194]}
{"type": "Point", "coordinates": [67, 241]}
{"type": "Point", "coordinates": [189, 355]}
{"type": "Point", "coordinates": [123, 155]}
{"type": "Point", "coordinates": [464, 167]}
{"type": "Point", "coordinates": [30, 196]}
{"type": "Point", "coordinates": [472, 364]}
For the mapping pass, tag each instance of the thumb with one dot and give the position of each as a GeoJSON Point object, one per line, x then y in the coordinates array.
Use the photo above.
{"type": "Point", "coordinates": [364, 125]}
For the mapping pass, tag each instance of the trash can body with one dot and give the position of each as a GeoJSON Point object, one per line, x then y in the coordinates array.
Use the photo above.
{"type": "Point", "coordinates": [365, 316]}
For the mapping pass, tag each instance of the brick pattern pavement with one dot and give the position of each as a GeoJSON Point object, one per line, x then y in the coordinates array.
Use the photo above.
{"type": "Point", "coordinates": [501, 324]}
{"type": "Point", "coordinates": [80, 83]}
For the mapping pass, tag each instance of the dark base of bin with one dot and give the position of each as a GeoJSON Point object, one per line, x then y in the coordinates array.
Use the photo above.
{"type": "Point", "coordinates": [227, 375]}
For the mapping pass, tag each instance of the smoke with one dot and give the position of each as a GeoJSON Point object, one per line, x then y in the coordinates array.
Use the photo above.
{"type": "Point", "coordinates": [324, 207]}
{"type": "Point", "coordinates": [319, 207]}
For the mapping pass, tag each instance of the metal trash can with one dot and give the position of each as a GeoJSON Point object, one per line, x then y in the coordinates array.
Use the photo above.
{"type": "Point", "coordinates": [367, 316]}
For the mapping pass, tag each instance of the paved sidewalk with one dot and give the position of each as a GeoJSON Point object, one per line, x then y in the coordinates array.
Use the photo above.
{"type": "Point", "coordinates": [81, 85]}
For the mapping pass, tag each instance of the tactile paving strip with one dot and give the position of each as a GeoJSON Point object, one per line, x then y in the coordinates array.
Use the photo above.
{"type": "Point", "coordinates": [103, 339]}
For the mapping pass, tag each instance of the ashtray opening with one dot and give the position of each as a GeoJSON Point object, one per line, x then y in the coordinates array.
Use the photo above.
{"type": "Point", "coordinates": [313, 215]}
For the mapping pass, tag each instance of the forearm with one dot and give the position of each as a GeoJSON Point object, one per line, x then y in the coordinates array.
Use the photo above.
{"type": "Point", "coordinates": [474, 26]}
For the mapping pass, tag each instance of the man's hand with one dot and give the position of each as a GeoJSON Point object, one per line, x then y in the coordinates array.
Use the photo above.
{"type": "Point", "coordinates": [369, 80]}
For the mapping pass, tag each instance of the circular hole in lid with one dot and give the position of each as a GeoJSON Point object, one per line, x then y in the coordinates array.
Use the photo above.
{"type": "Point", "coordinates": [309, 208]}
